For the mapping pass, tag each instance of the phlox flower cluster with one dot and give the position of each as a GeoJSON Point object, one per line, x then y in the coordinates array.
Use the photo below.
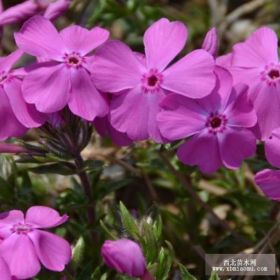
{"type": "Point", "coordinates": [162, 95]}
{"type": "Point", "coordinates": [215, 108]}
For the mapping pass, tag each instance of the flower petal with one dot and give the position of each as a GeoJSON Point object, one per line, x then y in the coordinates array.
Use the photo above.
{"type": "Point", "coordinates": [39, 37]}
{"type": "Point", "coordinates": [4, 270]}
{"type": "Point", "coordinates": [53, 251]}
{"type": "Point", "coordinates": [137, 107]}
{"type": "Point", "coordinates": [7, 62]}
{"type": "Point", "coordinates": [202, 150]}
{"type": "Point", "coordinates": [116, 67]}
{"type": "Point", "coordinates": [235, 146]}
{"type": "Point", "coordinates": [269, 181]}
{"type": "Point", "coordinates": [192, 76]}
{"type": "Point", "coordinates": [266, 101]}
{"type": "Point", "coordinates": [217, 100]}
{"type": "Point", "coordinates": [181, 117]}
{"type": "Point", "coordinates": [224, 60]}
{"type": "Point", "coordinates": [25, 113]}
{"type": "Point", "coordinates": [211, 42]}
{"type": "Point", "coordinates": [10, 126]}
{"type": "Point", "coordinates": [163, 40]}
{"type": "Point", "coordinates": [272, 148]}
{"type": "Point", "coordinates": [55, 9]}
{"type": "Point", "coordinates": [259, 49]}
{"type": "Point", "coordinates": [44, 217]}
{"type": "Point", "coordinates": [18, 252]}
{"type": "Point", "coordinates": [240, 110]}
{"type": "Point", "coordinates": [105, 129]}
{"type": "Point", "coordinates": [82, 40]}
{"type": "Point", "coordinates": [85, 101]}
{"type": "Point", "coordinates": [48, 87]}
{"type": "Point", "coordinates": [19, 12]}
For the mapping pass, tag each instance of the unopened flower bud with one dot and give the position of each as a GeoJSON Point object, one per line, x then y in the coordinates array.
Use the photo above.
{"type": "Point", "coordinates": [125, 256]}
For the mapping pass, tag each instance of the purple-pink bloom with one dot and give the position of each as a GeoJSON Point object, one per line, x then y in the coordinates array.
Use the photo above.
{"type": "Point", "coordinates": [219, 125]}
{"type": "Point", "coordinates": [26, 245]}
{"type": "Point", "coordinates": [139, 84]}
{"type": "Point", "coordinates": [105, 129]}
{"type": "Point", "coordinates": [255, 62]}
{"type": "Point", "coordinates": [125, 256]}
{"type": "Point", "coordinates": [269, 182]}
{"type": "Point", "coordinates": [23, 11]}
{"type": "Point", "coordinates": [15, 114]}
{"type": "Point", "coordinates": [211, 42]}
{"type": "Point", "coordinates": [64, 78]}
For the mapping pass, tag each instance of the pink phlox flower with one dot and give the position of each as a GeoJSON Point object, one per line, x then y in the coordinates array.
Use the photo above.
{"type": "Point", "coordinates": [219, 125]}
{"type": "Point", "coordinates": [140, 83]}
{"type": "Point", "coordinates": [255, 62]}
{"type": "Point", "coordinates": [26, 243]}
{"type": "Point", "coordinates": [64, 77]}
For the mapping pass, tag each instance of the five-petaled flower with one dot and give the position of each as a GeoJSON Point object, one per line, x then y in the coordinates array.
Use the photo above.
{"type": "Point", "coordinates": [25, 243]}
{"type": "Point", "coordinates": [140, 83]}
{"type": "Point", "coordinates": [64, 77]}
{"type": "Point", "coordinates": [255, 62]}
{"type": "Point", "coordinates": [219, 125]}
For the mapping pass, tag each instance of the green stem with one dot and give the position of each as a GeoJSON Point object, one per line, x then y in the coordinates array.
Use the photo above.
{"type": "Point", "coordinates": [86, 186]}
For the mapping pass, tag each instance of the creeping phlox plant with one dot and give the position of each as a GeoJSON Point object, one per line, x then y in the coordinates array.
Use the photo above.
{"type": "Point", "coordinates": [213, 109]}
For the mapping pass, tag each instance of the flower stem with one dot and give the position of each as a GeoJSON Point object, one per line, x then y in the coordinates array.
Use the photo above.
{"type": "Point", "coordinates": [85, 182]}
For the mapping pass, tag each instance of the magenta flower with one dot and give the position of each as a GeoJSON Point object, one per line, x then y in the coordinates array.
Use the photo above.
{"type": "Point", "coordinates": [63, 79]}
{"type": "Point", "coordinates": [139, 84]}
{"type": "Point", "coordinates": [26, 244]}
{"type": "Point", "coordinates": [255, 62]}
{"type": "Point", "coordinates": [20, 12]}
{"type": "Point", "coordinates": [211, 42]}
{"type": "Point", "coordinates": [5, 271]}
{"type": "Point", "coordinates": [15, 114]}
{"type": "Point", "coordinates": [269, 181]}
{"type": "Point", "coordinates": [218, 123]}
{"type": "Point", "coordinates": [125, 256]}
{"type": "Point", "coordinates": [105, 129]}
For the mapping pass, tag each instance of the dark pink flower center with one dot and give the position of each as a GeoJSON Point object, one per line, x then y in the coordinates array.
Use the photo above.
{"type": "Point", "coordinates": [216, 123]}
{"type": "Point", "coordinates": [22, 228]}
{"type": "Point", "coordinates": [271, 74]}
{"type": "Point", "coordinates": [73, 60]}
{"type": "Point", "coordinates": [274, 74]}
{"type": "Point", "coordinates": [151, 81]}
